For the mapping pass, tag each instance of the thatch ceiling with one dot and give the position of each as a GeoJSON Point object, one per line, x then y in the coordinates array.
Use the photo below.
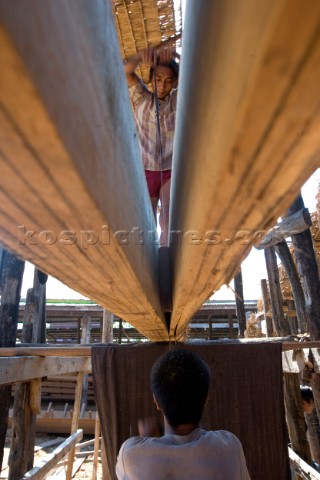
{"type": "Point", "coordinates": [146, 23]}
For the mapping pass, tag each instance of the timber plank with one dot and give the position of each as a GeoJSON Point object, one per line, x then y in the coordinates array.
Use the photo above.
{"type": "Point", "coordinates": [303, 469]}
{"type": "Point", "coordinates": [21, 369]}
{"type": "Point", "coordinates": [75, 351]}
{"type": "Point", "coordinates": [258, 112]}
{"type": "Point", "coordinates": [44, 467]}
{"type": "Point", "coordinates": [69, 148]}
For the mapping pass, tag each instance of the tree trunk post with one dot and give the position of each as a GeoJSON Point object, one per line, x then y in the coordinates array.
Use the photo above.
{"type": "Point", "coordinates": [24, 411]}
{"type": "Point", "coordinates": [285, 256]}
{"type": "Point", "coordinates": [107, 327]}
{"type": "Point", "coordinates": [280, 324]}
{"type": "Point", "coordinates": [308, 270]}
{"type": "Point", "coordinates": [241, 314]}
{"type": "Point", "coordinates": [12, 269]}
{"type": "Point", "coordinates": [266, 307]}
{"type": "Point", "coordinates": [295, 416]}
{"type": "Point", "coordinates": [85, 339]}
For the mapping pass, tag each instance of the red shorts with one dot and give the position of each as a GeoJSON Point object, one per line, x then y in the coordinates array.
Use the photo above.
{"type": "Point", "coordinates": [155, 181]}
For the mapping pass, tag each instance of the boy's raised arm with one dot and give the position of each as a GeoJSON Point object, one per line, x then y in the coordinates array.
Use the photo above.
{"type": "Point", "coordinates": [130, 65]}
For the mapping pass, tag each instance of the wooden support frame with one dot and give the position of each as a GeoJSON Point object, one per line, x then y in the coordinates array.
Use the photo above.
{"type": "Point", "coordinates": [246, 137]}
{"type": "Point", "coordinates": [28, 363]}
{"type": "Point", "coordinates": [22, 369]}
{"type": "Point", "coordinates": [39, 472]}
{"type": "Point", "coordinates": [67, 145]}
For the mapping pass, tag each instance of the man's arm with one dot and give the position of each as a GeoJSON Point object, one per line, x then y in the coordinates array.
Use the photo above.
{"type": "Point", "coordinates": [143, 56]}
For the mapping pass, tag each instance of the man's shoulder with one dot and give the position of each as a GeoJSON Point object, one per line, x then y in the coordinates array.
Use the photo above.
{"type": "Point", "coordinates": [132, 441]}
{"type": "Point", "coordinates": [222, 436]}
{"type": "Point", "coordinates": [139, 92]}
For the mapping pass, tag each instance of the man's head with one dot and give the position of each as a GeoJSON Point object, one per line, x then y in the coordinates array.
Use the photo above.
{"type": "Point", "coordinates": [307, 399]}
{"type": "Point", "coordinates": [180, 384]}
{"type": "Point", "coordinates": [164, 78]}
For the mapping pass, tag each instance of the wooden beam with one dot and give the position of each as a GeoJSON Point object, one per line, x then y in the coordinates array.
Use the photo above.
{"type": "Point", "coordinates": [73, 195]}
{"type": "Point", "coordinates": [290, 225]}
{"type": "Point", "coordinates": [72, 351]}
{"type": "Point", "coordinates": [39, 472]}
{"type": "Point", "coordinates": [293, 361]}
{"type": "Point", "coordinates": [21, 369]}
{"type": "Point", "coordinates": [302, 468]}
{"type": "Point", "coordinates": [54, 425]}
{"type": "Point", "coordinates": [247, 135]}
{"type": "Point", "coordinates": [77, 351]}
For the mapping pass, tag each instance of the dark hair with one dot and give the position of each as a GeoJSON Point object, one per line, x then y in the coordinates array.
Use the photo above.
{"type": "Point", "coordinates": [173, 65]}
{"type": "Point", "coordinates": [306, 393]}
{"type": "Point", "coordinates": [180, 383]}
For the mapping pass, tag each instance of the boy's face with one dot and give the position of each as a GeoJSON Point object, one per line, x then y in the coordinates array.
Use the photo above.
{"type": "Point", "coordinates": [308, 407]}
{"type": "Point", "coordinates": [165, 81]}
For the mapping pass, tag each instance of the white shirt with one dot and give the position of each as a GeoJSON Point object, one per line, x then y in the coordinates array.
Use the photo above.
{"type": "Point", "coordinates": [201, 455]}
{"type": "Point", "coordinates": [146, 122]}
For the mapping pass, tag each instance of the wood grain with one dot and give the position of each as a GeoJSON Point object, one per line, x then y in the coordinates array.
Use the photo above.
{"type": "Point", "coordinates": [247, 135]}
{"type": "Point", "coordinates": [71, 172]}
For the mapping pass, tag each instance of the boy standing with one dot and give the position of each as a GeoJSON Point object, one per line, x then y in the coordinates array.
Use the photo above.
{"type": "Point", "coordinates": [155, 115]}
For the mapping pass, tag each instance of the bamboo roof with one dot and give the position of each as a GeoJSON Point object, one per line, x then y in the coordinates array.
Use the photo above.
{"type": "Point", "coordinates": [146, 23]}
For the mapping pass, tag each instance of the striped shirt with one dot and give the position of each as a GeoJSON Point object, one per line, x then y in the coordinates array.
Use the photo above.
{"type": "Point", "coordinates": [144, 106]}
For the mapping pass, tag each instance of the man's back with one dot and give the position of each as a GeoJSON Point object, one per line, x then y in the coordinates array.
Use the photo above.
{"type": "Point", "coordinates": [201, 455]}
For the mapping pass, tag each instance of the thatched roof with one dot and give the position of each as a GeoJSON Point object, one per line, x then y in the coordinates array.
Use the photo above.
{"type": "Point", "coordinates": [146, 23]}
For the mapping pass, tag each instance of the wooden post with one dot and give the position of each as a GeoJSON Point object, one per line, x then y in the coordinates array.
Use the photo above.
{"type": "Point", "coordinates": [292, 396]}
{"type": "Point", "coordinates": [11, 280]}
{"type": "Point", "coordinates": [292, 318]}
{"type": "Point", "coordinates": [24, 408]}
{"type": "Point", "coordinates": [312, 435]}
{"type": "Point", "coordinates": [241, 314]}
{"type": "Point", "coordinates": [97, 431]}
{"type": "Point", "coordinates": [230, 321]}
{"type": "Point", "coordinates": [39, 284]}
{"type": "Point", "coordinates": [280, 324]}
{"type": "Point", "coordinates": [85, 339]}
{"type": "Point", "coordinates": [285, 256]}
{"type": "Point", "coordinates": [120, 331]}
{"type": "Point", "coordinates": [314, 440]}
{"type": "Point", "coordinates": [1, 265]}
{"type": "Point", "coordinates": [266, 307]}
{"type": "Point", "coordinates": [308, 271]}
{"type": "Point", "coordinates": [295, 416]}
{"type": "Point", "coordinates": [78, 331]}
{"type": "Point", "coordinates": [315, 384]}
{"type": "Point", "coordinates": [75, 422]}
{"type": "Point", "coordinates": [210, 326]}
{"type": "Point", "coordinates": [106, 337]}
{"type": "Point", "coordinates": [34, 321]}
{"type": "Point", "coordinates": [107, 327]}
